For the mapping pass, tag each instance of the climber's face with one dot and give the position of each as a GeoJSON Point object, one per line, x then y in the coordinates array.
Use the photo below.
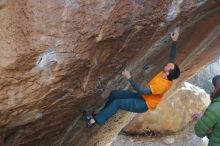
{"type": "Point", "coordinates": [168, 67]}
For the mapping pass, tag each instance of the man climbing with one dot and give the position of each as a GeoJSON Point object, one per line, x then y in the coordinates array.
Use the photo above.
{"type": "Point", "coordinates": [147, 97]}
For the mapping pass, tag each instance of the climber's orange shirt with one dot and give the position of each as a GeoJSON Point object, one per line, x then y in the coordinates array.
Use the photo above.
{"type": "Point", "coordinates": [158, 86]}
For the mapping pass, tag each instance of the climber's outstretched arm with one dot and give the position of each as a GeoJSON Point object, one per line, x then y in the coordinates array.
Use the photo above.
{"type": "Point", "coordinates": [138, 88]}
{"type": "Point", "coordinates": [173, 50]}
{"type": "Point", "coordinates": [172, 58]}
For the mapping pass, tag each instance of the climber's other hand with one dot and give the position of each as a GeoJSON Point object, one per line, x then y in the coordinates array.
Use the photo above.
{"type": "Point", "coordinates": [126, 74]}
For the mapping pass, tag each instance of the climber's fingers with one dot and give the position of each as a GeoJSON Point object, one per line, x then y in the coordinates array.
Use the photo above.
{"type": "Point", "coordinates": [126, 74]}
{"type": "Point", "coordinates": [175, 35]}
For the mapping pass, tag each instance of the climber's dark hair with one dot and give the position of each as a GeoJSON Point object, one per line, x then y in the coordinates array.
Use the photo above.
{"type": "Point", "coordinates": [216, 84]}
{"type": "Point", "coordinates": [174, 73]}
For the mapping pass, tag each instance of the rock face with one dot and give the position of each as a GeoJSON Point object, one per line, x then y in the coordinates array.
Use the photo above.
{"type": "Point", "coordinates": [173, 114]}
{"type": "Point", "coordinates": [59, 57]}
